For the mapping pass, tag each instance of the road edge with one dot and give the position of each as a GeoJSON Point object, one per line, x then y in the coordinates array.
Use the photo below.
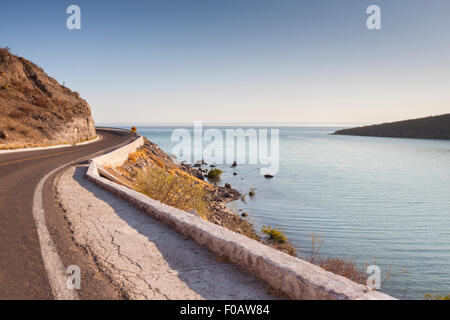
{"type": "Point", "coordinates": [56, 273]}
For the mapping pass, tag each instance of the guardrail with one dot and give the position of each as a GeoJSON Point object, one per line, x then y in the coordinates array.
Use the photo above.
{"type": "Point", "coordinates": [297, 278]}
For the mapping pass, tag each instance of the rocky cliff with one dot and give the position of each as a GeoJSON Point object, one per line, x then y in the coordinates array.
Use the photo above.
{"type": "Point", "coordinates": [35, 110]}
{"type": "Point", "coordinates": [437, 127]}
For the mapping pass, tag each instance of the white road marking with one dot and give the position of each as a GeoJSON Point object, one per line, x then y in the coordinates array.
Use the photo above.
{"type": "Point", "coordinates": [56, 272]}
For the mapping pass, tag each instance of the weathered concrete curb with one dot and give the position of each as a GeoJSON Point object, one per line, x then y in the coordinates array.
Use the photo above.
{"type": "Point", "coordinates": [297, 278]}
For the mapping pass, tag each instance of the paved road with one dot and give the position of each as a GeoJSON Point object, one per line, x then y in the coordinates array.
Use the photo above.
{"type": "Point", "coordinates": [22, 272]}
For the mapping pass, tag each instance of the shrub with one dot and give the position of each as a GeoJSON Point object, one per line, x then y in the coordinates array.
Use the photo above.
{"type": "Point", "coordinates": [173, 189]}
{"type": "Point", "coordinates": [214, 174]}
{"type": "Point", "coordinates": [133, 157]}
{"type": "Point", "coordinates": [275, 234]}
{"type": "Point", "coordinates": [277, 239]}
{"type": "Point", "coordinates": [341, 266]}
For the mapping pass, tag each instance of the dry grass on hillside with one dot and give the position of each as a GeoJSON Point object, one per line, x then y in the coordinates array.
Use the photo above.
{"type": "Point", "coordinates": [174, 189]}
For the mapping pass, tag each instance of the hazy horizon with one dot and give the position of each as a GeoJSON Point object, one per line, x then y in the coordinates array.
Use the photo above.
{"type": "Point", "coordinates": [290, 62]}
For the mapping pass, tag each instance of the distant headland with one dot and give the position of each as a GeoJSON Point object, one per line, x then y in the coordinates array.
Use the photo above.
{"type": "Point", "coordinates": [435, 127]}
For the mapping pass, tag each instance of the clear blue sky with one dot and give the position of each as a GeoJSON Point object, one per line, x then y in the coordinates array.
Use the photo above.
{"type": "Point", "coordinates": [241, 61]}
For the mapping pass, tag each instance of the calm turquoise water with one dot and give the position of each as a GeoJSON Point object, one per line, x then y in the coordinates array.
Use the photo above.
{"type": "Point", "coordinates": [380, 201]}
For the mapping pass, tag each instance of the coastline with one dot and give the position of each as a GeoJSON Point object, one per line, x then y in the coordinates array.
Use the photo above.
{"type": "Point", "coordinates": [217, 197]}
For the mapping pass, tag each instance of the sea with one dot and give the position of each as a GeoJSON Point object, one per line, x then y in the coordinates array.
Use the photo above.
{"type": "Point", "coordinates": [377, 201]}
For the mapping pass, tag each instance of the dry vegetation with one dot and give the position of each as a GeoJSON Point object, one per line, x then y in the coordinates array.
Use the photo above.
{"type": "Point", "coordinates": [342, 266]}
{"type": "Point", "coordinates": [174, 189]}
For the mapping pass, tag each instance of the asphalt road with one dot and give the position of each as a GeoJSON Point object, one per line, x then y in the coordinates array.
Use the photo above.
{"type": "Point", "coordinates": [22, 272]}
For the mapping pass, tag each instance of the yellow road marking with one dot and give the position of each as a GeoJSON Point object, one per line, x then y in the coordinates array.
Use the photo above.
{"type": "Point", "coordinates": [34, 158]}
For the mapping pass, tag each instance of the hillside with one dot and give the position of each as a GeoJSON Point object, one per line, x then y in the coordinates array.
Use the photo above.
{"type": "Point", "coordinates": [35, 110]}
{"type": "Point", "coordinates": [437, 127]}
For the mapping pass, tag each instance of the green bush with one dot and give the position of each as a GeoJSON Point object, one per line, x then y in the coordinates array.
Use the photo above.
{"type": "Point", "coordinates": [275, 234]}
{"type": "Point", "coordinates": [214, 174]}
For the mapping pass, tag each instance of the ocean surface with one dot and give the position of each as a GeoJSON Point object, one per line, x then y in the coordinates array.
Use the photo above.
{"type": "Point", "coordinates": [382, 201]}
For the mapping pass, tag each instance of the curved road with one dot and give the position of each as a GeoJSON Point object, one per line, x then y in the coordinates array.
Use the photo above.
{"type": "Point", "coordinates": [22, 271]}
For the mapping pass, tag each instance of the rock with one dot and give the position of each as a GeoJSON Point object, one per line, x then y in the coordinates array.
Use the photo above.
{"type": "Point", "coordinates": [234, 165]}
{"type": "Point", "coordinates": [227, 185]}
{"type": "Point", "coordinates": [199, 175]}
{"type": "Point", "coordinates": [212, 166]}
{"type": "Point", "coordinates": [234, 173]}
{"type": "Point", "coordinates": [197, 165]}
{"type": "Point", "coordinates": [268, 176]}
{"type": "Point", "coordinates": [48, 112]}
{"type": "Point", "coordinates": [244, 215]}
{"type": "Point", "coordinates": [3, 134]}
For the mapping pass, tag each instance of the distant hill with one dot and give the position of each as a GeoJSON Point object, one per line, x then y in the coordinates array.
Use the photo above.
{"type": "Point", "coordinates": [437, 127]}
{"type": "Point", "coordinates": [35, 110]}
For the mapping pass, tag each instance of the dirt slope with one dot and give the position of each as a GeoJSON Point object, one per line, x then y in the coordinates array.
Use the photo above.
{"type": "Point", "coordinates": [35, 110]}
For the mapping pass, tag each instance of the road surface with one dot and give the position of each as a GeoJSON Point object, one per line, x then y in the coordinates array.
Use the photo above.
{"type": "Point", "coordinates": [22, 271]}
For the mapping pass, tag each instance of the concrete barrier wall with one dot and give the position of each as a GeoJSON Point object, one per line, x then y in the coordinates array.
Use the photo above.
{"type": "Point", "coordinates": [297, 278]}
{"type": "Point", "coordinates": [118, 157]}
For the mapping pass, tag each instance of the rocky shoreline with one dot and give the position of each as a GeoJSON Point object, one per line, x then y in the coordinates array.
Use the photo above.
{"type": "Point", "coordinates": [150, 155]}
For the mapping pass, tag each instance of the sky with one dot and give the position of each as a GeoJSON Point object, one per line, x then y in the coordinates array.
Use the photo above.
{"type": "Point", "coordinates": [241, 61]}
